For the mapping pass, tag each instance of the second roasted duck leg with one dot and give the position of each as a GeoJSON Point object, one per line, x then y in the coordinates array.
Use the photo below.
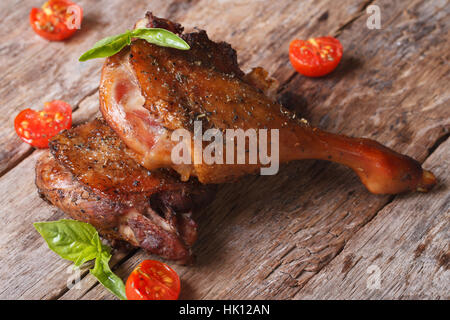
{"type": "Point", "coordinates": [90, 175]}
{"type": "Point", "coordinates": [147, 92]}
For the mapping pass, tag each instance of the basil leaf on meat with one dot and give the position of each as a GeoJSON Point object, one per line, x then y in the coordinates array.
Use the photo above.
{"type": "Point", "coordinates": [111, 45]}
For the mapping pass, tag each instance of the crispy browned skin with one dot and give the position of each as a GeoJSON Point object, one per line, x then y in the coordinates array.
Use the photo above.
{"type": "Point", "coordinates": [149, 91]}
{"type": "Point", "coordinates": [97, 157]}
{"type": "Point", "coordinates": [92, 178]}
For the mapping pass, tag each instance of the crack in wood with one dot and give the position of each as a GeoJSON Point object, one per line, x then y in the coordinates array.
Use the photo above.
{"type": "Point", "coordinates": [437, 143]}
{"type": "Point", "coordinates": [86, 96]}
{"type": "Point", "coordinates": [280, 261]}
{"type": "Point", "coordinates": [25, 155]}
{"type": "Point", "coordinates": [66, 289]}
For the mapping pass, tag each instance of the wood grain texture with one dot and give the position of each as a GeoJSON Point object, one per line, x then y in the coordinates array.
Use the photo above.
{"type": "Point", "coordinates": [263, 237]}
{"type": "Point", "coordinates": [407, 246]}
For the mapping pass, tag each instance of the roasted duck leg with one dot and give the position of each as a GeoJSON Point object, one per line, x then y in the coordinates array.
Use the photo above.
{"type": "Point", "coordinates": [91, 177]}
{"type": "Point", "coordinates": [147, 92]}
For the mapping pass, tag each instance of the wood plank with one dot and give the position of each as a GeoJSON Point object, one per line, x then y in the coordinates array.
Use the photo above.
{"type": "Point", "coordinates": [265, 237]}
{"type": "Point", "coordinates": [403, 253]}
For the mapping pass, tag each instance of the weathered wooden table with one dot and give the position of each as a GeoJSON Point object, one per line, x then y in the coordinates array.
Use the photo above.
{"type": "Point", "coordinates": [312, 231]}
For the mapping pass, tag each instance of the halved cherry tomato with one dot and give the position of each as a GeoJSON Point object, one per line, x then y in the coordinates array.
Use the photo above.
{"type": "Point", "coordinates": [153, 280]}
{"type": "Point", "coordinates": [315, 57]}
{"type": "Point", "coordinates": [37, 127]}
{"type": "Point", "coordinates": [56, 20]}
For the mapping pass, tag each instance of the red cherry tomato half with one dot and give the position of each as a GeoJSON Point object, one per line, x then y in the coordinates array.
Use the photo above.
{"type": "Point", "coordinates": [153, 280]}
{"type": "Point", "coordinates": [56, 20]}
{"type": "Point", "coordinates": [37, 127]}
{"type": "Point", "coordinates": [315, 57]}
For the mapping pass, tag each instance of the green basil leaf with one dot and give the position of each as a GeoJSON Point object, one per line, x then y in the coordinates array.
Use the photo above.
{"type": "Point", "coordinates": [111, 45]}
{"type": "Point", "coordinates": [107, 47]}
{"type": "Point", "coordinates": [79, 242]}
{"type": "Point", "coordinates": [106, 277]}
{"type": "Point", "coordinates": [90, 253]}
{"type": "Point", "coordinates": [72, 240]}
{"type": "Point", "coordinates": [160, 37]}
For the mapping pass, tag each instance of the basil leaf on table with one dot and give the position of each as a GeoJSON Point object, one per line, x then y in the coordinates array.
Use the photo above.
{"type": "Point", "coordinates": [111, 45]}
{"type": "Point", "coordinates": [70, 239]}
{"type": "Point", "coordinates": [106, 277]}
{"type": "Point", "coordinates": [79, 242]}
